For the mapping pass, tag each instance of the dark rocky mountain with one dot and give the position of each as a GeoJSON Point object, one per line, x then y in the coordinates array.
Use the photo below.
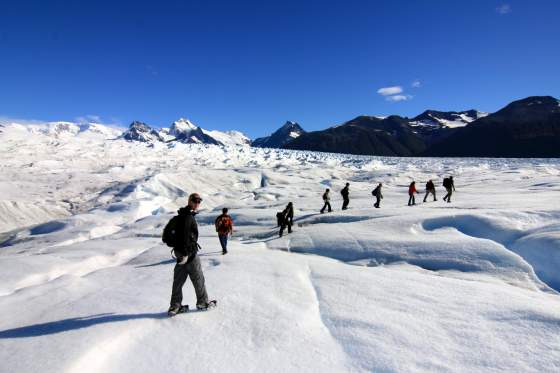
{"type": "Point", "coordinates": [285, 134]}
{"type": "Point", "coordinates": [525, 128]}
{"type": "Point", "coordinates": [364, 135]}
{"type": "Point", "coordinates": [139, 131]}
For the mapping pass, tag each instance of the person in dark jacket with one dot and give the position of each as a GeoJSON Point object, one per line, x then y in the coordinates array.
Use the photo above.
{"type": "Point", "coordinates": [224, 227]}
{"type": "Point", "coordinates": [430, 189]}
{"type": "Point", "coordinates": [345, 196]}
{"type": "Point", "coordinates": [449, 185]}
{"type": "Point", "coordinates": [378, 195]}
{"type": "Point", "coordinates": [327, 200]}
{"type": "Point", "coordinates": [188, 263]}
{"type": "Point", "coordinates": [287, 218]}
{"type": "Point", "coordinates": [411, 191]}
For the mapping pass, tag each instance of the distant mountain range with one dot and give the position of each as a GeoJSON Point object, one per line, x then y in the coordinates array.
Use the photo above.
{"type": "Point", "coordinates": [525, 128]}
{"type": "Point", "coordinates": [183, 131]}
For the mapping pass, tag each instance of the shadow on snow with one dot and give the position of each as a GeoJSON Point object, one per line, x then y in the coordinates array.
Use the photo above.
{"type": "Point", "coordinates": [75, 323]}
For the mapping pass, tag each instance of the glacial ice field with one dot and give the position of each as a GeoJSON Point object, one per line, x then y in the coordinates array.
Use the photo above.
{"type": "Point", "coordinates": [85, 281]}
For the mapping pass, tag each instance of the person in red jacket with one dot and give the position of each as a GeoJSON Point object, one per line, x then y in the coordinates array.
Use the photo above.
{"type": "Point", "coordinates": [411, 191]}
{"type": "Point", "coordinates": [224, 227]}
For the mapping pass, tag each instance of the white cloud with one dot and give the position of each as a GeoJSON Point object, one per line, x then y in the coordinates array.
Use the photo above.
{"type": "Point", "coordinates": [416, 84]}
{"type": "Point", "coordinates": [88, 119]}
{"type": "Point", "coordinates": [503, 9]}
{"type": "Point", "coordinates": [397, 98]}
{"type": "Point", "coordinates": [9, 120]}
{"type": "Point", "coordinates": [112, 121]}
{"type": "Point", "coordinates": [386, 91]}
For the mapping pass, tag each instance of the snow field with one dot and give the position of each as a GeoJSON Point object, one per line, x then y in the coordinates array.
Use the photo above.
{"type": "Point", "coordinates": [467, 286]}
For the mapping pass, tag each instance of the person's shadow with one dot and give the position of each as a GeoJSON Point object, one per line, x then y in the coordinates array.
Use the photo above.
{"type": "Point", "coordinates": [65, 325]}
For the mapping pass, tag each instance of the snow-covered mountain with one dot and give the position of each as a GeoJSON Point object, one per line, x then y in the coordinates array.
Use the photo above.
{"type": "Point", "coordinates": [289, 131]}
{"type": "Point", "coordinates": [139, 131]}
{"type": "Point", "coordinates": [183, 130]}
{"type": "Point", "coordinates": [231, 138]}
{"type": "Point", "coordinates": [186, 132]}
{"type": "Point", "coordinates": [64, 129]}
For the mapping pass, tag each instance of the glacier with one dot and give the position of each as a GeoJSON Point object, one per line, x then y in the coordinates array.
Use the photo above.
{"type": "Point", "coordinates": [85, 280]}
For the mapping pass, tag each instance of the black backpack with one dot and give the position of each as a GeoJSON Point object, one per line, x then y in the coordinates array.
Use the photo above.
{"type": "Point", "coordinates": [447, 182]}
{"type": "Point", "coordinates": [171, 233]}
{"type": "Point", "coordinates": [279, 218]}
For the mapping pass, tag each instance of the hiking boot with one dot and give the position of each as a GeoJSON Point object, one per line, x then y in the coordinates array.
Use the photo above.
{"type": "Point", "coordinates": [207, 305]}
{"type": "Point", "coordinates": [174, 310]}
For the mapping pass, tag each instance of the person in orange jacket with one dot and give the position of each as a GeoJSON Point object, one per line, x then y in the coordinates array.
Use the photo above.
{"type": "Point", "coordinates": [411, 191]}
{"type": "Point", "coordinates": [224, 227]}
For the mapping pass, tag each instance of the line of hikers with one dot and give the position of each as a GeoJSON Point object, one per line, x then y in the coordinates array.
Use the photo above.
{"type": "Point", "coordinates": [181, 233]}
{"type": "Point", "coordinates": [448, 184]}
{"type": "Point", "coordinates": [285, 218]}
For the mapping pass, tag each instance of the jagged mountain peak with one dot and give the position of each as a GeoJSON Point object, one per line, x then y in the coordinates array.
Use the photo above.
{"type": "Point", "coordinates": [289, 131]}
{"type": "Point", "coordinates": [182, 125]}
{"type": "Point", "coordinates": [140, 131]}
{"type": "Point", "coordinates": [290, 124]}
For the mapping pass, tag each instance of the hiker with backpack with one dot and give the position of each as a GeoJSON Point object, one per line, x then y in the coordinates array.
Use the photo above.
{"type": "Point", "coordinates": [181, 233]}
{"type": "Point", "coordinates": [378, 195]}
{"type": "Point", "coordinates": [224, 227]}
{"type": "Point", "coordinates": [430, 189]}
{"type": "Point", "coordinates": [287, 218]}
{"type": "Point", "coordinates": [345, 192]}
{"type": "Point", "coordinates": [449, 185]}
{"type": "Point", "coordinates": [327, 200]}
{"type": "Point", "coordinates": [411, 191]}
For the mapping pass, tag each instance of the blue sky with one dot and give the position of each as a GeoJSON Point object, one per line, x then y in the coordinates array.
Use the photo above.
{"type": "Point", "coordinates": [251, 66]}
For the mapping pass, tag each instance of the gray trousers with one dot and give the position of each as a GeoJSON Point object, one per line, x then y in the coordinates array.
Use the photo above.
{"type": "Point", "coordinates": [180, 274]}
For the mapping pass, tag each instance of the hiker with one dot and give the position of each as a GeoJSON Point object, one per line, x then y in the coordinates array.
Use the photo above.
{"type": "Point", "coordinates": [188, 263]}
{"type": "Point", "coordinates": [327, 200]}
{"type": "Point", "coordinates": [411, 191]}
{"type": "Point", "coordinates": [287, 218]}
{"type": "Point", "coordinates": [449, 185]}
{"type": "Point", "coordinates": [430, 189]}
{"type": "Point", "coordinates": [224, 227]}
{"type": "Point", "coordinates": [378, 195]}
{"type": "Point", "coordinates": [345, 196]}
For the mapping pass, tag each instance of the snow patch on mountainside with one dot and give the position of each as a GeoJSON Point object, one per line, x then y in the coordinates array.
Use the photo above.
{"type": "Point", "coordinates": [230, 138]}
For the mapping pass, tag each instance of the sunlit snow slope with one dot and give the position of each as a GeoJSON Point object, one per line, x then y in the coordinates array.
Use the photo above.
{"type": "Point", "coordinates": [85, 282]}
